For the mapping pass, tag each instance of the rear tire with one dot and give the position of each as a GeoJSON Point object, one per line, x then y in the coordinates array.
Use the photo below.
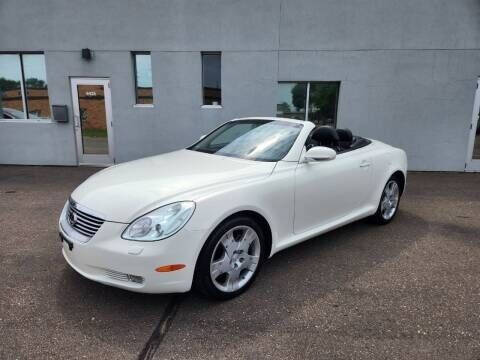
{"type": "Point", "coordinates": [389, 202]}
{"type": "Point", "coordinates": [230, 259]}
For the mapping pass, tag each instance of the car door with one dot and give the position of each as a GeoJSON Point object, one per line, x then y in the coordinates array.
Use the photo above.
{"type": "Point", "coordinates": [328, 190]}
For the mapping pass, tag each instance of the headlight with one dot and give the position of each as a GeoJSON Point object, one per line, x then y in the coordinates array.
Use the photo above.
{"type": "Point", "coordinates": [160, 223]}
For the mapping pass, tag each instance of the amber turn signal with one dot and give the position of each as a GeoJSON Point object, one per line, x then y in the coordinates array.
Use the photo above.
{"type": "Point", "coordinates": [168, 268]}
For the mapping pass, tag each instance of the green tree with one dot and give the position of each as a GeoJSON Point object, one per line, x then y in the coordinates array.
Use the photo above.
{"type": "Point", "coordinates": [6, 84]}
{"type": "Point", "coordinates": [323, 99]}
{"type": "Point", "coordinates": [299, 94]}
{"type": "Point", "coordinates": [34, 83]}
{"type": "Point", "coordinates": [283, 107]}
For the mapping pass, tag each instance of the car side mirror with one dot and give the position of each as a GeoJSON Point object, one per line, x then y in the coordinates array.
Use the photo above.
{"type": "Point", "coordinates": [320, 153]}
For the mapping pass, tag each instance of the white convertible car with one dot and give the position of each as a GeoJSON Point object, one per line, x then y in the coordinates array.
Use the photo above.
{"type": "Point", "coordinates": [208, 216]}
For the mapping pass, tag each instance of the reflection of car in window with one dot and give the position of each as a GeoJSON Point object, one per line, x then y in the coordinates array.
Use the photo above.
{"type": "Point", "coordinates": [9, 113]}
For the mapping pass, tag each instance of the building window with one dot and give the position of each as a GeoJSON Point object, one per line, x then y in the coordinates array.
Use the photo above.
{"type": "Point", "coordinates": [313, 101]}
{"type": "Point", "coordinates": [142, 63]}
{"type": "Point", "coordinates": [211, 78]}
{"type": "Point", "coordinates": [23, 87]}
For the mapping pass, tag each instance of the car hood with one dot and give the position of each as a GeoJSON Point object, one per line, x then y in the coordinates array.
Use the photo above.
{"type": "Point", "coordinates": [123, 192]}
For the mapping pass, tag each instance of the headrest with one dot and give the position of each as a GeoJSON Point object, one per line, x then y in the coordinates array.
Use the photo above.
{"type": "Point", "coordinates": [345, 135]}
{"type": "Point", "coordinates": [325, 135]}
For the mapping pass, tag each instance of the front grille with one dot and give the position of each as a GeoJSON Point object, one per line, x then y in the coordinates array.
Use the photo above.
{"type": "Point", "coordinates": [86, 224]}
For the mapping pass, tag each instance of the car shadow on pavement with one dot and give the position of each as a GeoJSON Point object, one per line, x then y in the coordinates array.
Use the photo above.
{"type": "Point", "coordinates": [111, 315]}
{"type": "Point", "coordinates": [296, 288]}
{"type": "Point", "coordinates": [300, 279]}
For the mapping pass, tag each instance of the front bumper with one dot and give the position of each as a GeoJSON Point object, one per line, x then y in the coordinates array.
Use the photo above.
{"type": "Point", "coordinates": [111, 260]}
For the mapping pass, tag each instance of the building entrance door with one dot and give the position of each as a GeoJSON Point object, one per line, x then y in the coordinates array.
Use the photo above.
{"type": "Point", "coordinates": [92, 112]}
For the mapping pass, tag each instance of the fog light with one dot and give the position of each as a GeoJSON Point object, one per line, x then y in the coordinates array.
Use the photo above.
{"type": "Point", "coordinates": [135, 279]}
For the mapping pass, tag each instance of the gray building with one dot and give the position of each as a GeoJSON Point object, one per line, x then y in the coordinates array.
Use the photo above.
{"type": "Point", "coordinates": [155, 75]}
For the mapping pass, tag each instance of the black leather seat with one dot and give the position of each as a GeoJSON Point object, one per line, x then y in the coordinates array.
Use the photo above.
{"type": "Point", "coordinates": [345, 138]}
{"type": "Point", "coordinates": [326, 136]}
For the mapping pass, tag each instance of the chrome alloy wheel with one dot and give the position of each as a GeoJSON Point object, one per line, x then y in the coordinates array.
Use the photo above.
{"type": "Point", "coordinates": [235, 258]}
{"type": "Point", "coordinates": [391, 195]}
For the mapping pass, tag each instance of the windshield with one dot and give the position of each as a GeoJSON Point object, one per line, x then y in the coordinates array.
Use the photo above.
{"type": "Point", "coordinates": [261, 140]}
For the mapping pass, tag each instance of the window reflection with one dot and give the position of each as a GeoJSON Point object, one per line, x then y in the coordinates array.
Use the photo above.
{"type": "Point", "coordinates": [93, 119]}
{"type": "Point", "coordinates": [322, 101]}
{"type": "Point", "coordinates": [27, 98]}
{"type": "Point", "coordinates": [36, 86]}
{"type": "Point", "coordinates": [269, 142]}
{"type": "Point", "coordinates": [143, 78]}
{"type": "Point", "coordinates": [260, 140]}
{"type": "Point", "coordinates": [291, 100]}
{"type": "Point", "coordinates": [11, 99]}
{"type": "Point", "coordinates": [476, 144]}
{"type": "Point", "coordinates": [211, 79]}
{"type": "Point", "coordinates": [322, 104]}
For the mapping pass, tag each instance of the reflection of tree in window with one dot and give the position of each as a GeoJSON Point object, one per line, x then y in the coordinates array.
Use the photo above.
{"type": "Point", "coordinates": [11, 99]}
{"type": "Point", "coordinates": [291, 100]}
{"type": "Point", "coordinates": [322, 102]}
{"type": "Point", "coordinates": [37, 95]}
{"type": "Point", "coordinates": [6, 84]}
{"type": "Point", "coordinates": [33, 96]}
{"type": "Point", "coordinates": [11, 102]}
{"type": "Point", "coordinates": [283, 107]}
{"type": "Point", "coordinates": [322, 108]}
{"type": "Point", "coordinates": [299, 96]}
{"type": "Point", "coordinates": [36, 88]}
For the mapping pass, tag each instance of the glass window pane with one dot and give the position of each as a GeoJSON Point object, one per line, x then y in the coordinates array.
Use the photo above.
{"type": "Point", "coordinates": [322, 106]}
{"type": "Point", "coordinates": [211, 78]}
{"type": "Point", "coordinates": [261, 140]}
{"type": "Point", "coordinates": [291, 100]}
{"type": "Point", "coordinates": [476, 144]}
{"type": "Point", "coordinates": [38, 104]}
{"type": "Point", "coordinates": [93, 119]}
{"type": "Point", "coordinates": [143, 79]}
{"type": "Point", "coordinates": [11, 102]}
{"type": "Point", "coordinates": [231, 133]}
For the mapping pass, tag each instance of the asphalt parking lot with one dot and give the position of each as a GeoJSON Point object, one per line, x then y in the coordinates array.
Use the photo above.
{"type": "Point", "coordinates": [408, 290]}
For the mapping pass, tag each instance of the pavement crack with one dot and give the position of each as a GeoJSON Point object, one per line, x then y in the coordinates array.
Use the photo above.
{"type": "Point", "coordinates": [161, 329]}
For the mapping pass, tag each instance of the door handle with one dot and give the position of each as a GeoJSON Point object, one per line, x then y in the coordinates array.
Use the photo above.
{"type": "Point", "coordinates": [364, 163]}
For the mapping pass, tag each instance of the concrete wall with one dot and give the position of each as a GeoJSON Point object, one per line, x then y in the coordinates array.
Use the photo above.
{"type": "Point", "coordinates": [420, 101]}
{"type": "Point", "coordinates": [408, 69]}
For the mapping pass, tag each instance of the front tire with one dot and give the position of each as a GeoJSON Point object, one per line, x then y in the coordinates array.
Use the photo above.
{"type": "Point", "coordinates": [230, 259]}
{"type": "Point", "coordinates": [389, 202]}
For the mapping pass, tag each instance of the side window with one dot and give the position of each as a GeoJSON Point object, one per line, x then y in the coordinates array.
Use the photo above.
{"type": "Point", "coordinates": [315, 101]}
{"type": "Point", "coordinates": [292, 100]}
{"type": "Point", "coordinates": [23, 87]}
{"type": "Point", "coordinates": [38, 105]}
{"type": "Point", "coordinates": [211, 78]}
{"type": "Point", "coordinates": [143, 78]}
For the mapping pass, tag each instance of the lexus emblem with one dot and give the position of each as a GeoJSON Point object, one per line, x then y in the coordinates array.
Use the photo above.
{"type": "Point", "coordinates": [73, 218]}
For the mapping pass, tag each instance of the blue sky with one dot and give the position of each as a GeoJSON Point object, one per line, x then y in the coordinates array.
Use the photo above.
{"type": "Point", "coordinates": [34, 66]}
{"type": "Point", "coordinates": [144, 71]}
